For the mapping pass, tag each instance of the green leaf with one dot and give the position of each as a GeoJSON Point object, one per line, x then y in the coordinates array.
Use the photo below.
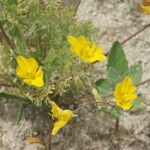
{"type": "Point", "coordinates": [16, 33]}
{"type": "Point", "coordinates": [136, 105]}
{"type": "Point", "coordinates": [78, 82]}
{"type": "Point", "coordinates": [113, 76]}
{"type": "Point", "coordinates": [136, 72]}
{"type": "Point", "coordinates": [103, 86]}
{"type": "Point", "coordinates": [9, 96]}
{"type": "Point", "coordinates": [20, 113]}
{"type": "Point", "coordinates": [111, 111]}
{"type": "Point", "coordinates": [96, 95]}
{"type": "Point", "coordinates": [117, 59]}
{"type": "Point", "coordinates": [11, 2]}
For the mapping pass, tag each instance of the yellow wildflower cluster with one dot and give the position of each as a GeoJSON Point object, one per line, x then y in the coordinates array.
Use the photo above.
{"type": "Point", "coordinates": [85, 49]}
{"type": "Point", "coordinates": [125, 93]}
{"type": "Point", "coordinates": [62, 116]}
{"type": "Point", "coordinates": [29, 70]}
{"type": "Point", "coordinates": [32, 74]}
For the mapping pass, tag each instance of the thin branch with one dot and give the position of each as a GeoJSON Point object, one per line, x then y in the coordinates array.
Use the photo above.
{"type": "Point", "coordinates": [77, 6]}
{"type": "Point", "coordinates": [133, 35]}
{"type": "Point", "coordinates": [144, 82]}
{"type": "Point", "coordinates": [6, 85]}
{"type": "Point", "coordinates": [49, 142]}
{"type": "Point", "coordinates": [71, 75]}
{"type": "Point", "coordinates": [117, 130]}
{"type": "Point", "coordinates": [107, 96]}
{"type": "Point", "coordinates": [136, 33]}
{"type": "Point", "coordinates": [62, 78]}
{"type": "Point", "coordinates": [9, 41]}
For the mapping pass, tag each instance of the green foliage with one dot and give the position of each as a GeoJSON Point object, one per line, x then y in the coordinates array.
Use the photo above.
{"type": "Point", "coordinates": [117, 64]}
{"type": "Point", "coordinates": [111, 111]}
{"type": "Point", "coordinates": [20, 113]}
{"type": "Point", "coordinates": [136, 105]}
{"type": "Point", "coordinates": [103, 86]}
{"type": "Point", "coordinates": [39, 31]}
{"type": "Point", "coordinates": [117, 69]}
{"type": "Point", "coordinates": [117, 59]}
{"type": "Point", "coordinates": [79, 83]}
{"type": "Point", "coordinates": [136, 72]}
{"type": "Point", "coordinates": [9, 96]}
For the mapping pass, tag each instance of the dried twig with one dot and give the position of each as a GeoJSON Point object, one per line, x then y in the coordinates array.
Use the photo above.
{"type": "Point", "coordinates": [117, 130]}
{"type": "Point", "coordinates": [144, 82]}
{"type": "Point", "coordinates": [133, 35]}
{"type": "Point", "coordinates": [6, 85]}
{"type": "Point", "coordinates": [49, 142]}
{"type": "Point", "coordinates": [136, 33]}
{"type": "Point", "coordinates": [77, 6]}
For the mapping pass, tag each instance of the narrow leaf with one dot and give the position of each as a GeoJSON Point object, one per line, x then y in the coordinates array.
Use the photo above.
{"type": "Point", "coordinates": [111, 111]}
{"type": "Point", "coordinates": [10, 96]}
{"type": "Point", "coordinates": [19, 113]}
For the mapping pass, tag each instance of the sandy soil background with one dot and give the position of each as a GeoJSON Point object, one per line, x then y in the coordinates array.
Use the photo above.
{"type": "Point", "coordinates": [92, 130]}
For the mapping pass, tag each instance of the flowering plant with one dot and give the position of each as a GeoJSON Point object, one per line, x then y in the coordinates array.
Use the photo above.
{"type": "Point", "coordinates": [46, 54]}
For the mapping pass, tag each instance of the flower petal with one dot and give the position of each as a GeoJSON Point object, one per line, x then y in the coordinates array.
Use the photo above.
{"type": "Point", "coordinates": [124, 106]}
{"type": "Point", "coordinates": [85, 49]}
{"type": "Point", "coordinates": [28, 70]}
{"type": "Point", "coordinates": [55, 110]}
{"type": "Point", "coordinates": [33, 65]}
{"type": "Point", "coordinates": [124, 93]}
{"type": "Point", "coordinates": [63, 117]}
{"type": "Point", "coordinates": [57, 126]}
{"type": "Point", "coordinates": [22, 68]}
{"type": "Point", "coordinates": [37, 80]}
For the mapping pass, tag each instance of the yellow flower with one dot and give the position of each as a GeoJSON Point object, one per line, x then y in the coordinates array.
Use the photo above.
{"type": "Point", "coordinates": [63, 116]}
{"type": "Point", "coordinates": [145, 9]}
{"type": "Point", "coordinates": [124, 93]}
{"type": "Point", "coordinates": [85, 49]}
{"type": "Point", "coordinates": [29, 70]}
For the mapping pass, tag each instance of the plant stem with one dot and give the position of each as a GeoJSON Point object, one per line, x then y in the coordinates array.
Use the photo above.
{"type": "Point", "coordinates": [9, 41]}
{"type": "Point", "coordinates": [6, 85]}
{"type": "Point", "coordinates": [133, 35]}
{"type": "Point", "coordinates": [49, 142]}
{"type": "Point", "coordinates": [136, 33]}
{"type": "Point", "coordinates": [20, 112]}
{"type": "Point", "coordinates": [77, 6]}
{"type": "Point", "coordinates": [117, 130]}
{"type": "Point", "coordinates": [144, 82]}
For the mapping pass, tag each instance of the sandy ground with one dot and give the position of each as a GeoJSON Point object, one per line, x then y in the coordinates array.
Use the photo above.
{"type": "Point", "coordinates": [92, 130]}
